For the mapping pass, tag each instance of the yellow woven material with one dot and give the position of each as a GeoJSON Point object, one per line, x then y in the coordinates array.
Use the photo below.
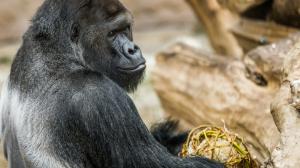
{"type": "Point", "coordinates": [218, 144]}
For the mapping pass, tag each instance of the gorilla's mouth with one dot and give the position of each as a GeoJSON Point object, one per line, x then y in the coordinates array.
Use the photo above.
{"type": "Point", "coordinates": [139, 68]}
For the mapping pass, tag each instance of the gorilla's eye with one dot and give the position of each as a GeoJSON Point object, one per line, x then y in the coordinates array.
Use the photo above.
{"type": "Point", "coordinates": [112, 33]}
{"type": "Point", "coordinates": [125, 30]}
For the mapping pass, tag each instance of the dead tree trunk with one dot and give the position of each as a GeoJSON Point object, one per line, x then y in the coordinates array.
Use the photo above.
{"type": "Point", "coordinates": [285, 110]}
{"type": "Point", "coordinates": [216, 22]}
{"type": "Point", "coordinates": [232, 35]}
{"type": "Point", "coordinates": [286, 12]}
{"type": "Point", "coordinates": [237, 89]}
{"type": "Point", "coordinates": [202, 88]}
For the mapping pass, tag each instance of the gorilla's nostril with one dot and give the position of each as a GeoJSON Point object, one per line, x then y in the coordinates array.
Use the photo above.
{"type": "Point", "coordinates": [131, 51]}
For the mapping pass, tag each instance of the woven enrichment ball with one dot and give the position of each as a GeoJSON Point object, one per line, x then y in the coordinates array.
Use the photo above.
{"type": "Point", "coordinates": [218, 144]}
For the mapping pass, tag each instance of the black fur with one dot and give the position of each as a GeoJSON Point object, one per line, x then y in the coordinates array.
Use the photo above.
{"type": "Point", "coordinates": [67, 104]}
{"type": "Point", "coordinates": [166, 133]}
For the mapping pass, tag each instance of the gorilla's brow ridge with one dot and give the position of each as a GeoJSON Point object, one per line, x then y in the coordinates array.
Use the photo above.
{"type": "Point", "coordinates": [82, 4]}
{"type": "Point", "coordinates": [122, 20]}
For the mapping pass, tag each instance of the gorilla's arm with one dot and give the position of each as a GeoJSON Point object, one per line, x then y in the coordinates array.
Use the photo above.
{"type": "Point", "coordinates": [167, 134]}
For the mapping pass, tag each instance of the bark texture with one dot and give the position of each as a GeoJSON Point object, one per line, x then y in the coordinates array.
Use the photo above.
{"type": "Point", "coordinates": [285, 110]}
{"type": "Point", "coordinates": [202, 88]}
{"type": "Point", "coordinates": [253, 33]}
{"type": "Point", "coordinates": [257, 94]}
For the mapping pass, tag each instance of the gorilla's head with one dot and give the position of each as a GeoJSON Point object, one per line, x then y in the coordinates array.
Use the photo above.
{"type": "Point", "coordinates": [99, 35]}
{"type": "Point", "coordinates": [101, 32]}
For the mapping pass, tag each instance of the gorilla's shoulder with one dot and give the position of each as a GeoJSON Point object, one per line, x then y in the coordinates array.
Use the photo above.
{"type": "Point", "coordinates": [82, 78]}
{"type": "Point", "coordinates": [93, 85]}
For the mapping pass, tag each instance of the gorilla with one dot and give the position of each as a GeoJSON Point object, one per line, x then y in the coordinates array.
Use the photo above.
{"type": "Point", "coordinates": [65, 103]}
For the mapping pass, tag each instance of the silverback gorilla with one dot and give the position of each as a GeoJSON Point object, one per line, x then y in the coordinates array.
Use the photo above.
{"type": "Point", "coordinates": [65, 103]}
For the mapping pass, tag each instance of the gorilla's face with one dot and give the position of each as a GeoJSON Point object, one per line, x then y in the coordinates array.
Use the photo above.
{"type": "Point", "coordinates": [102, 31]}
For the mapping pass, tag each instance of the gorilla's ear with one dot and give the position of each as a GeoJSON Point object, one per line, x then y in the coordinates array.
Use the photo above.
{"type": "Point", "coordinates": [42, 30]}
{"type": "Point", "coordinates": [75, 32]}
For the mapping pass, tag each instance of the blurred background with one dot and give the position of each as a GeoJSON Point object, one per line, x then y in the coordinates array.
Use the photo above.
{"type": "Point", "coordinates": [157, 24]}
{"type": "Point", "coordinates": [214, 62]}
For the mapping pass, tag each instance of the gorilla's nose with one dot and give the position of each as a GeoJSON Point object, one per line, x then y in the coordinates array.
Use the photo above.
{"type": "Point", "coordinates": [130, 49]}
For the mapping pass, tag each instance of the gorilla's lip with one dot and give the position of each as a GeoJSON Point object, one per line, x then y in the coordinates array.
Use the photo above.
{"type": "Point", "coordinates": [138, 68]}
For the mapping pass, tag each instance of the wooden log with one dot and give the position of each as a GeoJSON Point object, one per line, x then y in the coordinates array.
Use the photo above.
{"type": "Point", "coordinates": [216, 22]}
{"type": "Point", "coordinates": [202, 88]}
{"type": "Point", "coordinates": [268, 60]}
{"type": "Point", "coordinates": [240, 6]}
{"type": "Point", "coordinates": [285, 110]}
{"type": "Point", "coordinates": [252, 33]}
{"type": "Point", "coordinates": [232, 35]}
{"type": "Point", "coordinates": [286, 12]}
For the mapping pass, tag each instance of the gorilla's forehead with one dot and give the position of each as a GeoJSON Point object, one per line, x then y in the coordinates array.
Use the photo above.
{"type": "Point", "coordinates": [114, 7]}
{"type": "Point", "coordinates": [103, 10]}
{"type": "Point", "coordinates": [110, 7]}
{"type": "Point", "coordinates": [126, 16]}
